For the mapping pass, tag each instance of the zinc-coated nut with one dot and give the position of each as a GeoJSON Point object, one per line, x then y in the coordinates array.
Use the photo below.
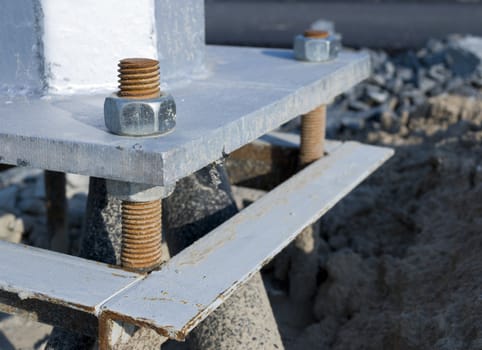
{"type": "Point", "coordinates": [130, 117]}
{"type": "Point", "coordinates": [316, 49]}
{"type": "Point", "coordinates": [136, 192]}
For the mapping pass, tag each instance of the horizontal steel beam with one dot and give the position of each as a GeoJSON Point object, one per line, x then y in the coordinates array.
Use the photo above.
{"type": "Point", "coordinates": [247, 93]}
{"type": "Point", "coordinates": [57, 289]}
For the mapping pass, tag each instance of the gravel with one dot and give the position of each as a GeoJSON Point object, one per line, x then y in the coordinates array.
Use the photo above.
{"type": "Point", "coordinates": [402, 83]}
{"type": "Point", "coordinates": [23, 206]}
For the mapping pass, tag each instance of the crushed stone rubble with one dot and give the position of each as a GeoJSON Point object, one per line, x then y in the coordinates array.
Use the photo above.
{"type": "Point", "coordinates": [403, 82]}
{"type": "Point", "coordinates": [23, 206]}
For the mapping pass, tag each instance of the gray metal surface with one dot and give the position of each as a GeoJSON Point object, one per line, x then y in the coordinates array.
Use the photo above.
{"type": "Point", "coordinates": [79, 284]}
{"type": "Point", "coordinates": [181, 39]}
{"type": "Point", "coordinates": [248, 93]}
{"type": "Point", "coordinates": [197, 280]}
{"type": "Point", "coordinates": [135, 192]}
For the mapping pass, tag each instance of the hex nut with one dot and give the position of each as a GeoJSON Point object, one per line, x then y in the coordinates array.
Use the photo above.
{"type": "Point", "coordinates": [316, 49]}
{"type": "Point", "coordinates": [135, 192]}
{"type": "Point", "coordinates": [129, 117]}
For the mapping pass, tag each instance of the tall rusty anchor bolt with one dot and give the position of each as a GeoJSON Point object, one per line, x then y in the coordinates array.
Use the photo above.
{"type": "Point", "coordinates": [312, 136]}
{"type": "Point", "coordinates": [314, 46]}
{"type": "Point", "coordinates": [140, 109]}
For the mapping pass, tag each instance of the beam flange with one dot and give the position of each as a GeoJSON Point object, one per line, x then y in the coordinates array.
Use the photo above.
{"type": "Point", "coordinates": [247, 93]}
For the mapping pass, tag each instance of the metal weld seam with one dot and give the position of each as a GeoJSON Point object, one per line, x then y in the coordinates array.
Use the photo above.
{"type": "Point", "coordinates": [98, 307]}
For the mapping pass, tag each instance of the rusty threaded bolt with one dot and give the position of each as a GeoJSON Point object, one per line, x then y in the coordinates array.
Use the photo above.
{"type": "Point", "coordinates": [141, 235]}
{"type": "Point", "coordinates": [141, 221]}
{"type": "Point", "coordinates": [312, 135]}
{"type": "Point", "coordinates": [313, 124]}
{"type": "Point", "coordinates": [318, 34]}
{"type": "Point", "coordinates": [139, 78]}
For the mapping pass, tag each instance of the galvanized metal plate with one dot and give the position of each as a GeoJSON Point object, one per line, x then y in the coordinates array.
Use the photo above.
{"type": "Point", "coordinates": [197, 280]}
{"type": "Point", "coordinates": [32, 273]}
{"type": "Point", "coordinates": [247, 93]}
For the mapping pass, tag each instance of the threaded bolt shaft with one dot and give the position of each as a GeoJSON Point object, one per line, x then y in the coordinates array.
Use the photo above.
{"type": "Point", "coordinates": [141, 222]}
{"type": "Point", "coordinates": [316, 34]}
{"type": "Point", "coordinates": [139, 78]}
{"type": "Point", "coordinates": [312, 135]}
{"type": "Point", "coordinates": [141, 235]}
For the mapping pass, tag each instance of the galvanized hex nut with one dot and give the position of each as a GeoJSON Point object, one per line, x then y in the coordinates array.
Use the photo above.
{"type": "Point", "coordinates": [316, 49]}
{"type": "Point", "coordinates": [135, 192]}
{"type": "Point", "coordinates": [129, 117]}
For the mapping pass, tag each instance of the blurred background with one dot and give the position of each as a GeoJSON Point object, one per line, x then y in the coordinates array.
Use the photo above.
{"type": "Point", "coordinates": [388, 24]}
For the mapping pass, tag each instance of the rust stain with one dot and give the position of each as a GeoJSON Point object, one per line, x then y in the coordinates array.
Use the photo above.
{"type": "Point", "coordinates": [107, 316]}
{"type": "Point", "coordinates": [42, 297]}
{"type": "Point", "coordinates": [203, 310]}
{"type": "Point", "coordinates": [166, 299]}
{"type": "Point", "coordinates": [105, 329]}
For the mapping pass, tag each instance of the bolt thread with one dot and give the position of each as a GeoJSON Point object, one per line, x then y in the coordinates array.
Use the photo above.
{"type": "Point", "coordinates": [141, 235]}
{"type": "Point", "coordinates": [316, 34]}
{"type": "Point", "coordinates": [139, 78]}
{"type": "Point", "coordinates": [312, 135]}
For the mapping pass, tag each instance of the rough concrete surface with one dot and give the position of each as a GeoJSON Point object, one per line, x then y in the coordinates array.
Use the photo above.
{"type": "Point", "coordinates": [245, 321]}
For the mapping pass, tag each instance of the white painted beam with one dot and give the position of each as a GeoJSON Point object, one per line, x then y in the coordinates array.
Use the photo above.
{"type": "Point", "coordinates": [196, 281]}
{"type": "Point", "coordinates": [80, 284]}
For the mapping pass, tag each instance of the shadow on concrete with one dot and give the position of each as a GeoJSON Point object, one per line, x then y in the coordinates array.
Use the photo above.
{"type": "Point", "coordinates": [287, 55]}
